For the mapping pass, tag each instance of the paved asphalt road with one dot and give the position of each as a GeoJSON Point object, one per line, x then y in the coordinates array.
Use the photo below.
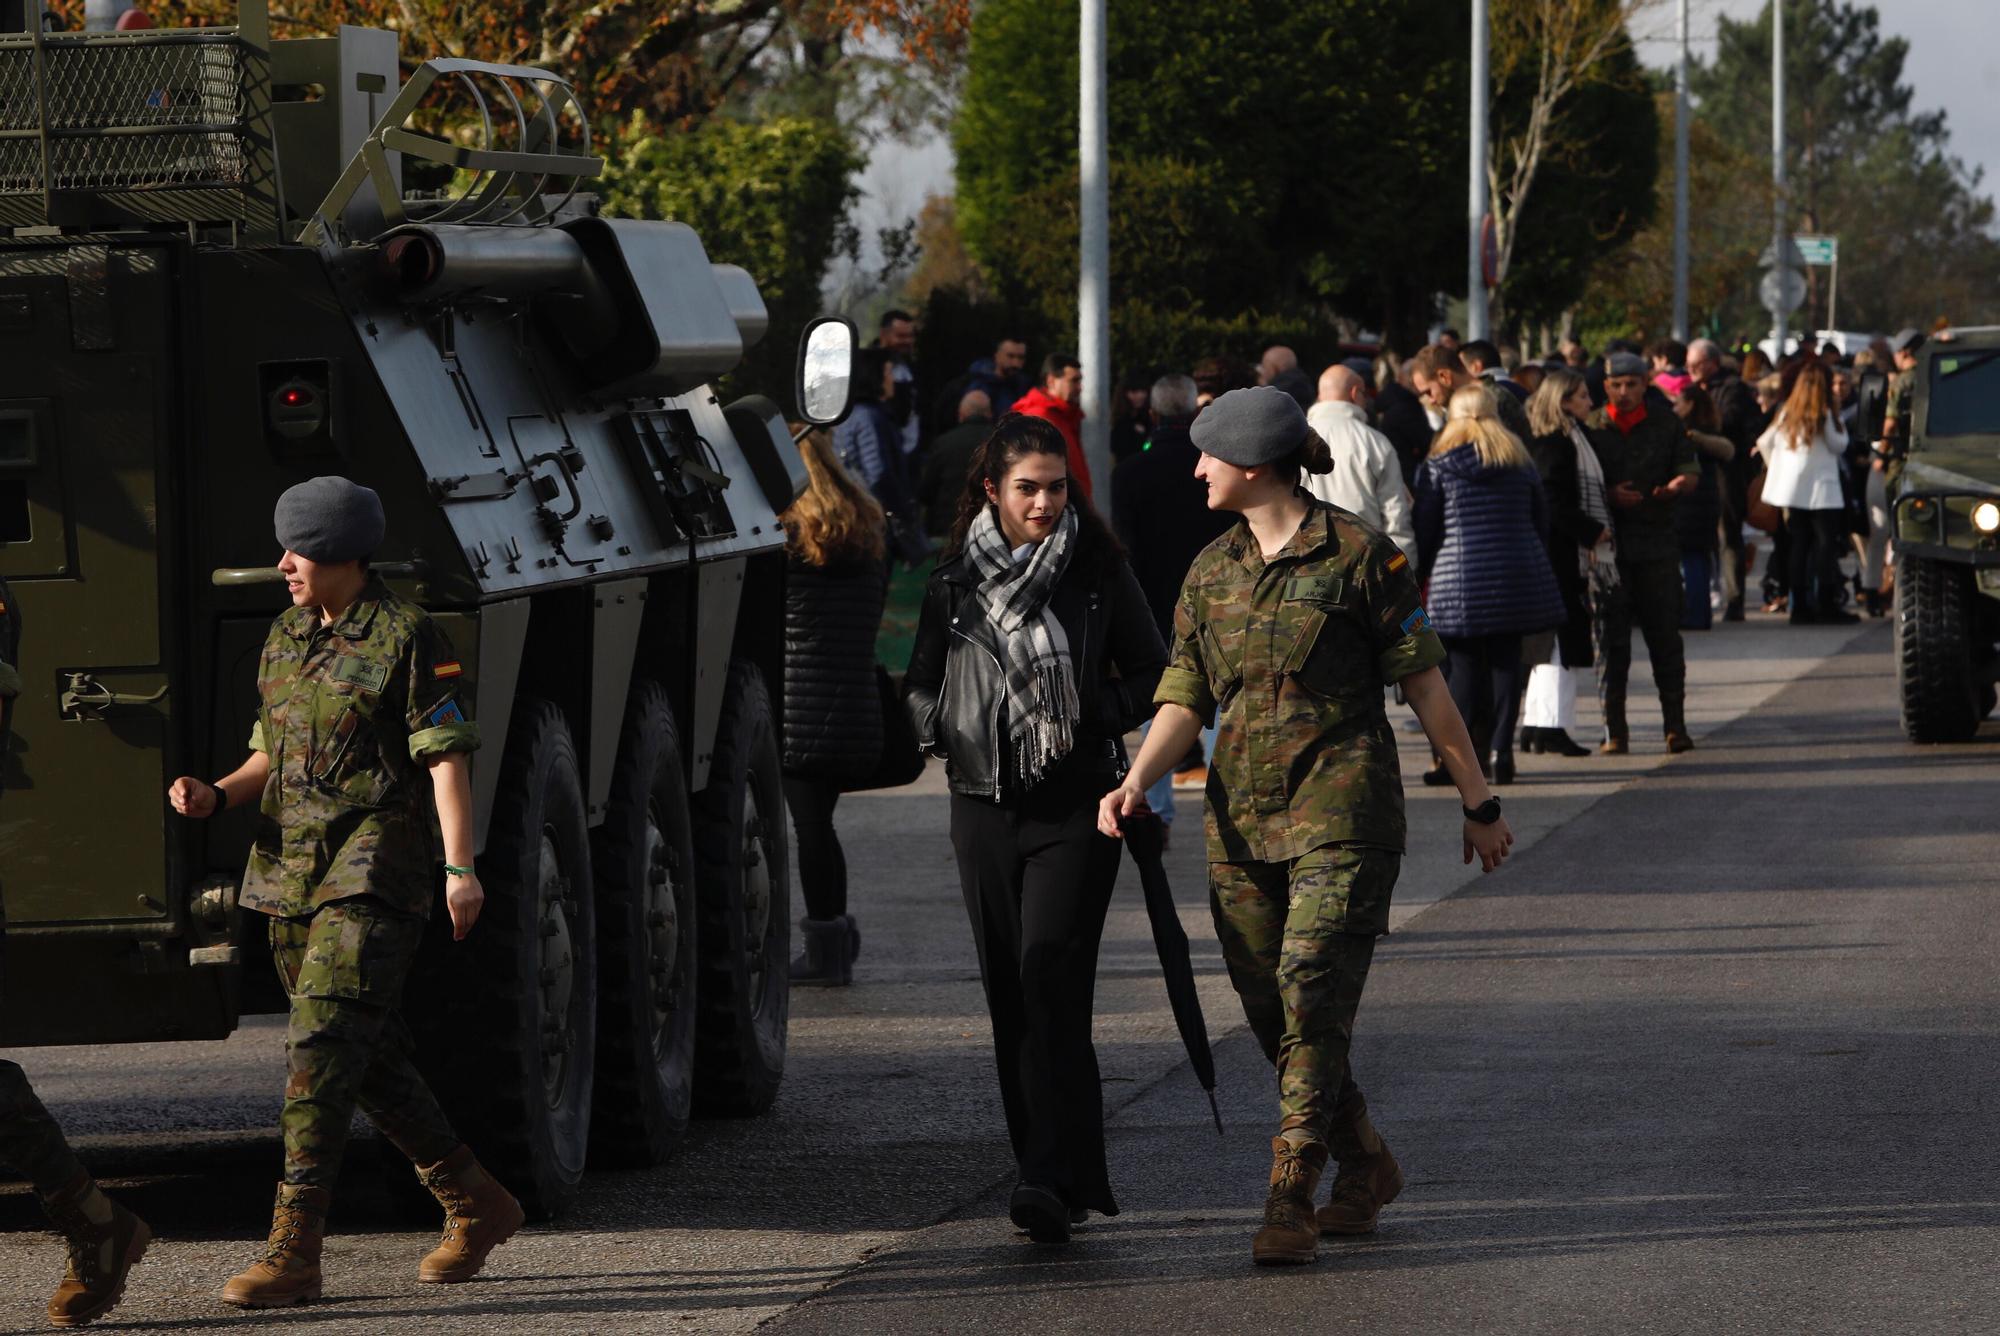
{"type": "Point", "coordinates": [1713, 1053]}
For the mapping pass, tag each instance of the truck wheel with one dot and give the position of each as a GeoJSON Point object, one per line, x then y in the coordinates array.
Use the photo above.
{"type": "Point", "coordinates": [743, 852]}
{"type": "Point", "coordinates": [1934, 666]}
{"type": "Point", "coordinates": [530, 1037]}
{"type": "Point", "coordinates": [646, 919]}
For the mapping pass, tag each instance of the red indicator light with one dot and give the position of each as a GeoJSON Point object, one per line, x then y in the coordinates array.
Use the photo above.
{"type": "Point", "coordinates": [296, 396]}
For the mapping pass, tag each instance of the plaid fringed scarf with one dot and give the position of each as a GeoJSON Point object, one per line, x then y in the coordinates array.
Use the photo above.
{"type": "Point", "coordinates": [1042, 704]}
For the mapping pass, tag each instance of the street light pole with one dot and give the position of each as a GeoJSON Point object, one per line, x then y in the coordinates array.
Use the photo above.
{"type": "Point", "coordinates": [1681, 182]}
{"type": "Point", "coordinates": [1093, 305]}
{"type": "Point", "coordinates": [1779, 251]}
{"type": "Point", "coordinates": [1475, 238]}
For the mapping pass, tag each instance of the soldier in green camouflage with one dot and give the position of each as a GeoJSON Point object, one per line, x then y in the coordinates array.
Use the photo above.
{"type": "Point", "coordinates": [1894, 447]}
{"type": "Point", "coordinates": [358, 765]}
{"type": "Point", "coordinates": [104, 1239]}
{"type": "Point", "coordinates": [1290, 627]}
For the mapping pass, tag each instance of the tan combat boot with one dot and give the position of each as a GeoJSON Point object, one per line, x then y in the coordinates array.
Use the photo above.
{"type": "Point", "coordinates": [289, 1273]}
{"type": "Point", "coordinates": [1290, 1235]}
{"type": "Point", "coordinates": [105, 1241]}
{"type": "Point", "coordinates": [479, 1216]}
{"type": "Point", "coordinates": [1369, 1179]}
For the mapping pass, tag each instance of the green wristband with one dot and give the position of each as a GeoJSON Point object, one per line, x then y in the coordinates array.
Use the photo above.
{"type": "Point", "coordinates": [451, 870]}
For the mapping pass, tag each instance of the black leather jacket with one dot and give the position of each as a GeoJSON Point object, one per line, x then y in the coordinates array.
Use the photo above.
{"type": "Point", "coordinates": [956, 691]}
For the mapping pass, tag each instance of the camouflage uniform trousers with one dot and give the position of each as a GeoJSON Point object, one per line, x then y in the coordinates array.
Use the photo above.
{"type": "Point", "coordinates": [1298, 938]}
{"type": "Point", "coordinates": [31, 1144]}
{"type": "Point", "coordinates": [347, 1046]}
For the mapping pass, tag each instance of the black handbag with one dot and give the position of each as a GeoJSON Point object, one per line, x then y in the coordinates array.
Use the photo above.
{"type": "Point", "coordinates": [900, 763]}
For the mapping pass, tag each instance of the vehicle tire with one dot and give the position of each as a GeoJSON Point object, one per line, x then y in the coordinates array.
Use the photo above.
{"type": "Point", "coordinates": [647, 934]}
{"type": "Point", "coordinates": [1934, 660]}
{"type": "Point", "coordinates": [743, 853]}
{"type": "Point", "coordinates": [527, 1040]}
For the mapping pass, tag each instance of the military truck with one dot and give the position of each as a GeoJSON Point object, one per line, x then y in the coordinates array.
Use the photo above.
{"type": "Point", "coordinates": [1947, 527]}
{"type": "Point", "coordinates": [213, 285]}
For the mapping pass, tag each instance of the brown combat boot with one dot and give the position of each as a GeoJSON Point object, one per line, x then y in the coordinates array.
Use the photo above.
{"type": "Point", "coordinates": [1369, 1179]}
{"type": "Point", "coordinates": [1290, 1234]}
{"type": "Point", "coordinates": [1678, 741]}
{"type": "Point", "coordinates": [289, 1273]}
{"type": "Point", "coordinates": [105, 1241]}
{"type": "Point", "coordinates": [479, 1216]}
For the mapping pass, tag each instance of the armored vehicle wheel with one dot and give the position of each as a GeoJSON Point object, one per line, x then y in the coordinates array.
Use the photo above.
{"type": "Point", "coordinates": [743, 851]}
{"type": "Point", "coordinates": [644, 857]}
{"type": "Point", "coordinates": [531, 1032]}
{"type": "Point", "coordinates": [1934, 663]}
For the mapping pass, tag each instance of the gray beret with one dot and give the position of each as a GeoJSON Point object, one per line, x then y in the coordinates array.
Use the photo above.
{"type": "Point", "coordinates": [1251, 428]}
{"type": "Point", "coordinates": [1906, 340]}
{"type": "Point", "coordinates": [329, 519]}
{"type": "Point", "coordinates": [1624, 364]}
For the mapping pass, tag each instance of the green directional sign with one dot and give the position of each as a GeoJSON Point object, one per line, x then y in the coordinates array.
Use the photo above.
{"type": "Point", "coordinates": [1821, 251]}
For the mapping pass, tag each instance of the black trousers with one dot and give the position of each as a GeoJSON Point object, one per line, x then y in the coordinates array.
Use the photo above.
{"type": "Point", "coordinates": [1818, 539]}
{"type": "Point", "coordinates": [1037, 880]}
{"type": "Point", "coordinates": [1484, 674]}
{"type": "Point", "coordinates": [821, 862]}
{"type": "Point", "coordinates": [1649, 596]}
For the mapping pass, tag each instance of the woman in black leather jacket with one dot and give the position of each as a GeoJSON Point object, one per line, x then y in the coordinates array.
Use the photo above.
{"type": "Point", "coordinates": [1035, 654]}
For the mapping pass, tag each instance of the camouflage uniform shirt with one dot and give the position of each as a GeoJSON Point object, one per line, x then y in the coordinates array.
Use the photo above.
{"type": "Point", "coordinates": [1897, 418]}
{"type": "Point", "coordinates": [348, 714]}
{"type": "Point", "coordinates": [1294, 653]}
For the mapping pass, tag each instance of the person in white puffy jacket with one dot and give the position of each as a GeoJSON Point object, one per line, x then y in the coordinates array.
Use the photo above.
{"type": "Point", "coordinates": [1367, 480]}
{"type": "Point", "coordinates": [1802, 450]}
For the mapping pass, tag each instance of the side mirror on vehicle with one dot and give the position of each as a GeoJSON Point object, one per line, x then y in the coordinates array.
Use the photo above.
{"type": "Point", "coordinates": [826, 370]}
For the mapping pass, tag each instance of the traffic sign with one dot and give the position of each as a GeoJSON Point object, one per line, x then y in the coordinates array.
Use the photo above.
{"type": "Point", "coordinates": [1820, 251]}
{"type": "Point", "coordinates": [1792, 254]}
{"type": "Point", "coordinates": [1782, 290]}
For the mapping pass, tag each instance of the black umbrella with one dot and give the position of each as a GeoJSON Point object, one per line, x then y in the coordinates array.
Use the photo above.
{"type": "Point", "coordinates": [1143, 836]}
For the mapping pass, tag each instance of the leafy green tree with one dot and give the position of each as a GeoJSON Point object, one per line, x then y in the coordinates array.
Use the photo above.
{"type": "Point", "coordinates": [1285, 157]}
{"type": "Point", "coordinates": [1862, 163]}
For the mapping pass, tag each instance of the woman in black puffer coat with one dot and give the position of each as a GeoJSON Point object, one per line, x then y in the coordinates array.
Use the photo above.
{"type": "Point", "coordinates": [834, 589]}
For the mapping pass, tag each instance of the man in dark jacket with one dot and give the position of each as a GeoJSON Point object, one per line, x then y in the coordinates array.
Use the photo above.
{"type": "Point", "coordinates": [1649, 464]}
{"type": "Point", "coordinates": [1736, 407]}
{"type": "Point", "coordinates": [942, 480]}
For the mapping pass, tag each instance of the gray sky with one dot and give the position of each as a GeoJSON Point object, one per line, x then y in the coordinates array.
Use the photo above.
{"type": "Point", "coordinates": [1945, 68]}
{"type": "Point", "coordinates": [1953, 62]}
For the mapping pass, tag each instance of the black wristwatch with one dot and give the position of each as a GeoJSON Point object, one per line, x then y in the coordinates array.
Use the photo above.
{"type": "Point", "coordinates": [1486, 813]}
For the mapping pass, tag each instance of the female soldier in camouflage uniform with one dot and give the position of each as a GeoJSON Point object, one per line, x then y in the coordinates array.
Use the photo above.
{"type": "Point", "coordinates": [360, 706]}
{"type": "Point", "coordinates": [1291, 625]}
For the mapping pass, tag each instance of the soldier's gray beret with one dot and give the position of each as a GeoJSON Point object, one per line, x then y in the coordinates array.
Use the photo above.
{"type": "Point", "coordinates": [1906, 340]}
{"type": "Point", "coordinates": [329, 519]}
{"type": "Point", "coordinates": [1624, 364]}
{"type": "Point", "coordinates": [1251, 428]}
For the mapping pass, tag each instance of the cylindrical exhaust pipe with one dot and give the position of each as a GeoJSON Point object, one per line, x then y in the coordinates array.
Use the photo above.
{"type": "Point", "coordinates": [427, 262]}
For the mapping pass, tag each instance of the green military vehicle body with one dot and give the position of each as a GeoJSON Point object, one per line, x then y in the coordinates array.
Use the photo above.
{"type": "Point", "coordinates": [1947, 527]}
{"type": "Point", "coordinates": [212, 287]}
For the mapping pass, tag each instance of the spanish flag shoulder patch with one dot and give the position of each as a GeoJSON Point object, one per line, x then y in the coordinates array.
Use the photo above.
{"type": "Point", "coordinates": [450, 668]}
{"type": "Point", "coordinates": [1397, 562]}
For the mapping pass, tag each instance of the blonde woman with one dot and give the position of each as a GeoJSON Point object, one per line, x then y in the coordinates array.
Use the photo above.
{"type": "Point", "coordinates": [1581, 555]}
{"type": "Point", "coordinates": [1481, 517]}
{"type": "Point", "coordinates": [834, 589]}
{"type": "Point", "coordinates": [1802, 449]}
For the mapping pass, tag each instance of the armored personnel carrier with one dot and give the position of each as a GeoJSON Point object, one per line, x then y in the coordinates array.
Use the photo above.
{"type": "Point", "coordinates": [1947, 526]}
{"type": "Point", "coordinates": [213, 285]}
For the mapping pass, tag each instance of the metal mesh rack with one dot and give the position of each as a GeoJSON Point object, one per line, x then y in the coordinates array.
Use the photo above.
{"type": "Point", "coordinates": [150, 121]}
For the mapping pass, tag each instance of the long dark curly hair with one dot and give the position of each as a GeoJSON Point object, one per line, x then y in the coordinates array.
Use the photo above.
{"type": "Point", "coordinates": [1013, 438]}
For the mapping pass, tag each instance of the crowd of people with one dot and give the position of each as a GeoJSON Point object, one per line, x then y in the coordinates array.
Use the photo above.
{"type": "Point", "coordinates": [1459, 530]}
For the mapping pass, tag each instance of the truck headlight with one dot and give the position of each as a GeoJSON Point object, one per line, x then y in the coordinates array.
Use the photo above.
{"type": "Point", "coordinates": [1986, 517]}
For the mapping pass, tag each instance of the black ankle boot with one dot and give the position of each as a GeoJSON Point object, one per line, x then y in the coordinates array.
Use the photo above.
{"type": "Point", "coordinates": [1558, 742]}
{"type": "Point", "coordinates": [1531, 739]}
{"type": "Point", "coordinates": [1500, 767]}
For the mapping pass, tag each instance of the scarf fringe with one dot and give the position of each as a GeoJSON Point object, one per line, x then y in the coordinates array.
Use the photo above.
{"type": "Point", "coordinates": [1047, 734]}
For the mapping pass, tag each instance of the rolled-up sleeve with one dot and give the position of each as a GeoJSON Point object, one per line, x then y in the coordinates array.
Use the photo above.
{"type": "Point", "coordinates": [1184, 681]}
{"type": "Point", "coordinates": [440, 715]}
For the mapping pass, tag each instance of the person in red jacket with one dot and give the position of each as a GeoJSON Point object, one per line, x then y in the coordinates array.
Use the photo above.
{"type": "Point", "coordinates": [1059, 400]}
